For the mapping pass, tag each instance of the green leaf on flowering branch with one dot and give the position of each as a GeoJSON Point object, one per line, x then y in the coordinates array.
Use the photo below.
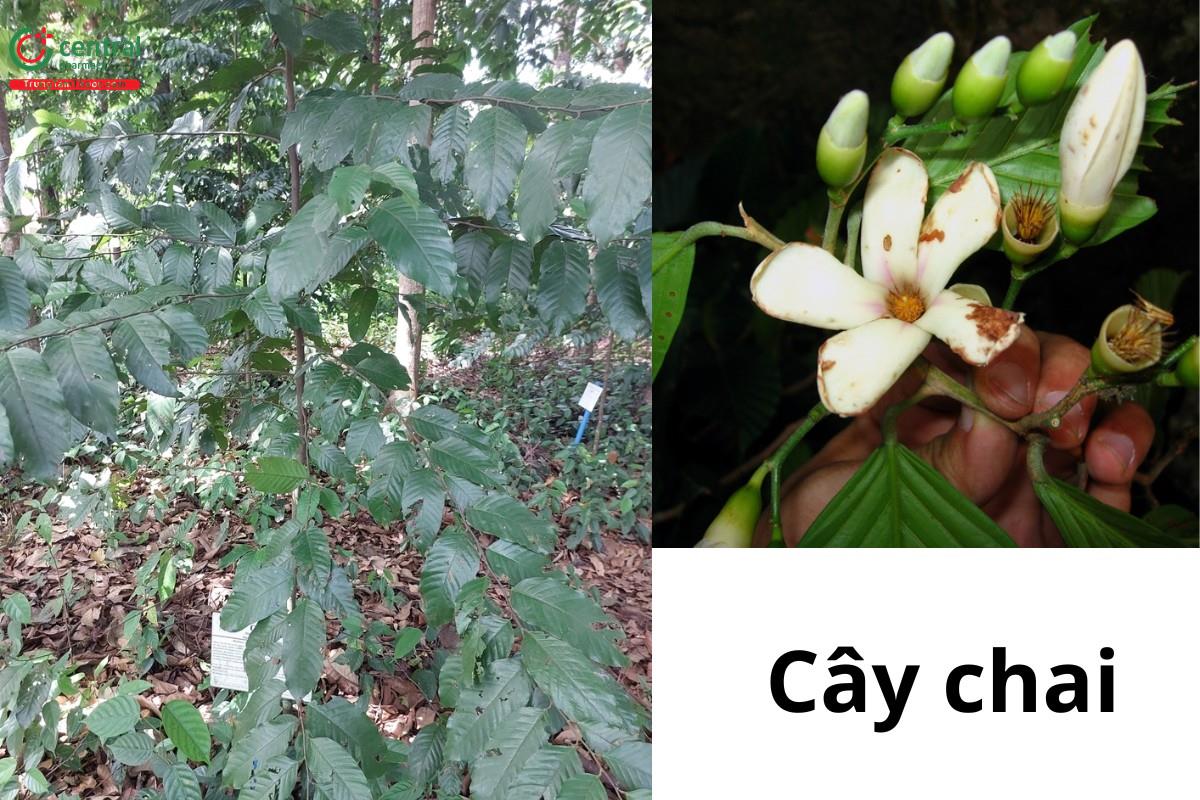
{"type": "Point", "coordinates": [276, 475]}
{"type": "Point", "coordinates": [180, 783]}
{"type": "Point", "coordinates": [672, 276]}
{"type": "Point", "coordinates": [1084, 521]}
{"type": "Point", "coordinates": [582, 787]}
{"type": "Point", "coordinates": [334, 772]}
{"type": "Point", "coordinates": [549, 604]}
{"type": "Point", "coordinates": [1022, 150]}
{"type": "Point", "coordinates": [897, 500]}
{"type": "Point", "coordinates": [256, 749]}
{"type": "Point", "coordinates": [629, 763]}
{"type": "Point", "coordinates": [451, 561]}
{"type": "Point", "coordinates": [304, 647]}
{"type": "Point", "coordinates": [113, 717]}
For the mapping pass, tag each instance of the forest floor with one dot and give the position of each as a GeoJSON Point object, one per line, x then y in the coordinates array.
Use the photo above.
{"type": "Point", "coordinates": [102, 575]}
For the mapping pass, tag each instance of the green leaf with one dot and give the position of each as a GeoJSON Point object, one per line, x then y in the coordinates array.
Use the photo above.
{"type": "Point", "coordinates": [1084, 521]}
{"type": "Point", "coordinates": [348, 186]}
{"type": "Point", "coordinates": [582, 787]}
{"type": "Point", "coordinates": [221, 227]}
{"type": "Point", "coordinates": [506, 518]}
{"type": "Point", "coordinates": [539, 199]}
{"type": "Point", "coordinates": [562, 284]}
{"type": "Point", "coordinates": [136, 162]}
{"type": "Point", "coordinates": [276, 475]}
{"type": "Point", "coordinates": [619, 292]}
{"type": "Point", "coordinates": [579, 688]}
{"type": "Point", "coordinates": [334, 772]}
{"type": "Point", "coordinates": [131, 749]}
{"type": "Point", "coordinates": [544, 773]}
{"type": "Point", "coordinates": [509, 265]}
{"type": "Point", "coordinates": [472, 251]}
{"type": "Point", "coordinates": [144, 343]}
{"type": "Point", "coordinates": [178, 265]}
{"type": "Point", "coordinates": [461, 459]}
{"type": "Point", "coordinates": [285, 21]}
{"type": "Point", "coordinates": [256, 748]}
{"type": "Point", "coordinates": [85, 372]}
{"type": "Point", "coordinates": [146, 266]}
{"type": "Point", "coordinates": [304, 647]}
{"type": "Point", "coordinates": [672, 276]}
{"type": "Point", "coordinates": [436, 423]}
{"type": "Point", "coordinates": [364, 439]}
{"type": "Point", "coordinates": [550, 605]}
{"type": "Point", "coordinates": [345, 724]}
{"type": "Point", "coordinates": [406, 642]}
{"type": "Point", "coordinates": [629, 763]}
{"type": "Point", "coordinates": [273, 780]}
{"type": "Point", "coordinates": [17, 607]}
{"type": "Point", "coordinates": [296, 264]}
{"type": "Point", "coordinates": [426, 754]}
{"type": "Point", "coordinates": [257, 596]}
{"type": "Point", "coordinates": [180, 783]}
{"type": "Point", "coordinates": [384, 371]}
{"type": "Point", "coordinates": [897, 500]}
{"type": "Point", "coordinates": [177, 221]}
{"type": "Point", "coordinates": [187, 729]}
{"type": "Point", "coordinates": [417, 241]}
{"type": "Point", "coordinates": [105, 277]}
{"type": "Point", "coordinates": [519, 736]}
{"type": "Point", "coordinates": [450, 562]}
{"type": "Point", "coordinates": [36, 410]}
{"type": "Point", "coordinates": [8, 451]}
{"type": "Point", "coordinates": [1174, 520]}
{"type": "Point", "coordinates": [119, 213]}
{"type": "Point", "coordinates": [449, 139]}
{"type": "Point", "coordinates": [360, 310]}
{"type": "Point", "coordinates": [495, 150]}
{"type": "Point", "coordinates": [618, 179]}
{"type": "Point", "coordinates": [113, 717]}
{"type": "Point", "coordinates": [515, 562]}
{"type": "Point", "coordinates": [267, 315]}
{"type": "Point", "coordinates": [480, 710]}
{"type": "Point", "coordinates": [338, 29]}
{"type": "Point", "coordinates": [14, 297]}
{"type": "Point", "coordinates": [422, 486]}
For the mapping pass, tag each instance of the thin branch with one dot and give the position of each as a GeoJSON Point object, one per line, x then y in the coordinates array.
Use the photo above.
{"type": "Point", "coordinates": [73, 142]}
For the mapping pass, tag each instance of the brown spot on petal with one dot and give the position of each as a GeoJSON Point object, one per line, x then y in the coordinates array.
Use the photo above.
{"type": "Point", "coordinates": [932, 234]}
{"type": "Point", "coordinates": [960, 180]}
{"type": "Point", "coordinates": [887, 242]}
{"type": "Point", "coordinates": [827, 365]}
{"type": "Point", "coordinates": [991, 322]}
{"type": "Point", "coordinates": [1092, 121]}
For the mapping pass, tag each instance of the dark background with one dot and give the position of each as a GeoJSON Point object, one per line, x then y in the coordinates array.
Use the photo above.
{"type": "Point", "coordinates": [742, 90]}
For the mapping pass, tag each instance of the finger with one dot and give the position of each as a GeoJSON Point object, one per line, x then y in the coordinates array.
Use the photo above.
{"type": "Point", "coordinates": [1116, 495]}
{"type": "Point", "coordinates": [976, 456]}
{"type": "Point", "coordinates": [800, 508]}
{"type": "Point", "coordinates": [1118, 444]}
{"type": "Point", "coordinates": [1007, 384]}
{"type": "Point", "coordinates": [1063, 363]}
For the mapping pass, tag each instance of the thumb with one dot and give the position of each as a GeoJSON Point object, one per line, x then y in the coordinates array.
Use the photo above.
{"type": "Point", "coordinates": [976, 455]}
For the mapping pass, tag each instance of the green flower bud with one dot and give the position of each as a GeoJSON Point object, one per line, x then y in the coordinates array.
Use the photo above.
{"type": "Point", "coordinates": [981, 81]}
{"type": "Point", "coordinates": [1187, 369]}
{"type": "Point", "coordinates": [1130, 339]}
{"type": "Point", "coordinates": [734, 526]}
{"type": "Point", "coordinates": [919, 79]}
{"type": "Point", "coordinates": [1029, 226]}
{"type": "Point", "coordinates": [842, 145]}
{"type": "Point", "coordinates": [1044, 71]}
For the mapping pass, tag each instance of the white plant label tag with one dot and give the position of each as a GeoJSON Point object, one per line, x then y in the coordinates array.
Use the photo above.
{"type": "Point", "coordinates": [228, 650]}
{"type": "Point", "coordinates": [590, 395]}
{"type": "Point", "coordinates": [228, 659]}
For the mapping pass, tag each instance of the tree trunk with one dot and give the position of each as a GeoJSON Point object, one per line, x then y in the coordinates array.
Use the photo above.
{"type": "Point", "coordinates": [408, 323]}
{"type": "Point", "coordinates": [289, 77]}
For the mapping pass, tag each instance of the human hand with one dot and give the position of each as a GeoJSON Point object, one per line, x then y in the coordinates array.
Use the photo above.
{"type": "Point", "coordinates": [982, 458]}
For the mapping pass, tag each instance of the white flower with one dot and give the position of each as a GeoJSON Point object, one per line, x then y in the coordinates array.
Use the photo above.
{"type": "Point", "coordinates": [889, 313]}
{"type": "Point", "coordinates": [1099, 138]}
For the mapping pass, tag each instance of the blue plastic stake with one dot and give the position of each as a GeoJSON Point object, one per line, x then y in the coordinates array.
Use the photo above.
{"type": "Point", "coordinates": [582, 426]}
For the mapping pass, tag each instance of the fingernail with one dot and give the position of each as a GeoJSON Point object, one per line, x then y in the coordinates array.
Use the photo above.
{"type": "Point", "coordinates": [966, 419]}
{"type": "Point", "coordinates": [1122, 449]}
{"type": "Point", "coordinates": [1011, 381]}
{"type": "Point", "coordinates": [1050, 400]}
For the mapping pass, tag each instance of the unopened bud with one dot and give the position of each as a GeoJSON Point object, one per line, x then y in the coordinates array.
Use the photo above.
{"type": "Point", "coordinates": [1187, 369]}
{"type": "Point", "coordinates": [921, 76]}
{"type": "Point", "coordinates": [1045, 69]}
{"type": "Point", "coordinates": [734, 526]}
{"type": "Point", "coordinates": [842, 145]}
{"type": "Point", "coordinates": [980, 83]}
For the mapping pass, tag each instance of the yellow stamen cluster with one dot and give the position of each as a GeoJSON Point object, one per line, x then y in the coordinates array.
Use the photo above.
{"type": "Point", "coordinates": [1141, 337]}
{"type": "Point", "coordinates": [906, 305]}
{"type": "Point", "coordinates": [1032, 211]}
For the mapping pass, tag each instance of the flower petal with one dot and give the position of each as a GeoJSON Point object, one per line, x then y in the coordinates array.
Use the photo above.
{"type": "Point", "coordinates": [892, 212]}
{"type": "Point", "coordinates": [805, 284]}
{"type": "Point", "coordinates": [977, 332]}
{"type": "Point", "coordinates": [857, 366]}
{"type": "Point", "coordinates": [961, 222]}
